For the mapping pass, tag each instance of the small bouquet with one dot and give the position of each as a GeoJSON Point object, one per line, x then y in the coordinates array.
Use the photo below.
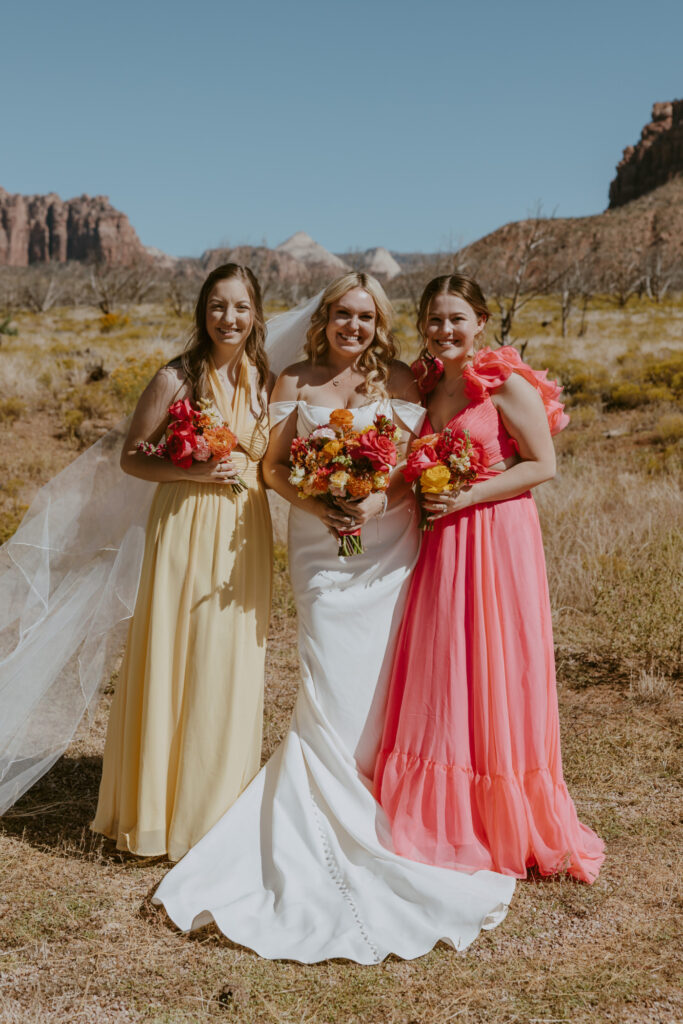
{"type": "Point", "coordinates": [194, 434]}
{"type": "Point", "coordinates": [443, 462]}
{"type": "Point", "coordinates": [336, 461]}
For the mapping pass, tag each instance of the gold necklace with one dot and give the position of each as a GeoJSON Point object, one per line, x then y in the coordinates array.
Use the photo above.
{"type": "Point", "coordinates": [336, 381]}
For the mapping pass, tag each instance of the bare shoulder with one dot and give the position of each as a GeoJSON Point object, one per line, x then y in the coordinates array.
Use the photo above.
{"type": "Point", "coordinates": [290, 382]}
{"type": "Point", "coordinates": [402, 383]}
{"type": "Point", "coordinates": [515, 390]}
{"type": "Point", "coordinates": [167, 383]}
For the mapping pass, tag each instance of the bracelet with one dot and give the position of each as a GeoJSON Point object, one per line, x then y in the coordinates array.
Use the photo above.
{"type": "Point", "coordinates": [385, 505]}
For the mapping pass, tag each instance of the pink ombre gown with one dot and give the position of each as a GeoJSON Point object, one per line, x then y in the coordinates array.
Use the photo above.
{"type": "Point", "coordinates": [469, 770]}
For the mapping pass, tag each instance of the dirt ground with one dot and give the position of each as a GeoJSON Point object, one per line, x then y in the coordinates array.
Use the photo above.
{"type": "Point", "coordinates": [81, 943]}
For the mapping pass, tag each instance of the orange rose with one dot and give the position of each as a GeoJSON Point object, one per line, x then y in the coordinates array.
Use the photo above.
{"type": "Point", "coordinates": [427, 439]}
{"type": "Point", "coordinates": [341, 419]}
{"type": "Point", "coordinates": [358, 487]}
{"type": "Point", "coordinates": [221, 441]}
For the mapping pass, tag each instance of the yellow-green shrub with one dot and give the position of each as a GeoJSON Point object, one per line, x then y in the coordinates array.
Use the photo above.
{"type": "Point", "coordinates": [670, 427]}
{"type": "Point", "coordinates": [11, 409]}
{"type": "Point", "coordinates": [111, 321]}
{"type": "Point", "coordinates": [128, 381]}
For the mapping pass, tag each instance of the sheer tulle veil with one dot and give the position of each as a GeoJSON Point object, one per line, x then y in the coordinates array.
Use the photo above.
{"type": "Point", "coordinates": [68, 581]}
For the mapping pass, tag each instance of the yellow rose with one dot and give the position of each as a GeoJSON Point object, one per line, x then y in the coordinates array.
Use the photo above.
{"type": "Point", "coordinates": [332, 449]}
{"type": "Point", "coordinates": [436, 479]}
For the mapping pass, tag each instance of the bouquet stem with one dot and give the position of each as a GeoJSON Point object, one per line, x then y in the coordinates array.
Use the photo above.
{"type": "Point", "coordinates": [350, 544]}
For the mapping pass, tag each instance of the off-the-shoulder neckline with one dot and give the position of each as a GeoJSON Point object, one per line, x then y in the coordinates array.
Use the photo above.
{"type": "Point", "coordinates": [352, 408]}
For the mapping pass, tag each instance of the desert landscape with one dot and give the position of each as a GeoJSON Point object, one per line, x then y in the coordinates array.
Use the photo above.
{"type": "Point", "coordinates": [86, 317]}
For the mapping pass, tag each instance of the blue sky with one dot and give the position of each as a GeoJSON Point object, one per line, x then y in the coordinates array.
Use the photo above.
{"type": "Point", "coordinates": [411, 125]}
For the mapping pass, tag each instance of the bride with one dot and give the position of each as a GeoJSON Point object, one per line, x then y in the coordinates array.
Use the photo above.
{"type": "Point", "coordinates": [301, 866]}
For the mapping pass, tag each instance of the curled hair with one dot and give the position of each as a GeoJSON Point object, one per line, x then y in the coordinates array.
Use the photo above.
{"type": "Point", "coordinates": [451, 284]}
{"type": "Point", "coordinates": [195, 360]}
{"type": "Point", "coordinates": [376, 360]}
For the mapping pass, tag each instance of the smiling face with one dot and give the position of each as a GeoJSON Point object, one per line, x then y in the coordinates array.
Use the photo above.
{"type": "Point", "coordinates": [229, 315]}
{"type": "Point", "coordinates": [351, 323]}
{"type": "Point", "coordinates": [452, 328]}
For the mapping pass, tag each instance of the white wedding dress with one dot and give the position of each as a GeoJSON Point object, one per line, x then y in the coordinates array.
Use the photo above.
{"type": "Point", "coordinates": [300, 867]}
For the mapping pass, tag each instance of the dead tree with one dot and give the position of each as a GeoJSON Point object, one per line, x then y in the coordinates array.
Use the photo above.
{"type": "Point", "coordinates": [116, 284]}
{"type": "Point", "coordinates": [524, 277]}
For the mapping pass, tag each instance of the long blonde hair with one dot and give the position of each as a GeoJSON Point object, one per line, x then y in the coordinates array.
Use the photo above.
{"type": "Point", "coordinates": [195, 360]}
{"type": "Point", "coordinates": [376, 360]}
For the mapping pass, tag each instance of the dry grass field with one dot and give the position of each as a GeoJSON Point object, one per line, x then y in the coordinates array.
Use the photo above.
{"type": "Point", "coordinates": [79, 939]}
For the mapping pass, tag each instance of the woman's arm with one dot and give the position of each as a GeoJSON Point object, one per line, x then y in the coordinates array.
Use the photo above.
{"type": "Point", "coordinates": [521, 409]}
{"type": "Point", "coordinates": [276, 467]}
{"type": "Point", "coordinates": [149, 423]}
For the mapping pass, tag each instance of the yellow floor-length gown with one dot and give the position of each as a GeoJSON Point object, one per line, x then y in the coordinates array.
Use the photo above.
{"type": "Point", "coordinates": [185, 728]}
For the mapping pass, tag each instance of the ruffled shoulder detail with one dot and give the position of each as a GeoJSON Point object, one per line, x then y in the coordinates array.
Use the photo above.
{"type": "Point", "coordinates": [490, 369]}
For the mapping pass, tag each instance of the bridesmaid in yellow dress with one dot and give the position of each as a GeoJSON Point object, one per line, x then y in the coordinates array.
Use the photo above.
{"type": "Point", "coordinates": [184, 735]}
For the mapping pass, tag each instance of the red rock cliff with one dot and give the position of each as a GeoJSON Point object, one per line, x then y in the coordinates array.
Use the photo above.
{"type": "Point", "coordinates": [656, 159]}
{"type": "Point", "coordinates": [44, 229]}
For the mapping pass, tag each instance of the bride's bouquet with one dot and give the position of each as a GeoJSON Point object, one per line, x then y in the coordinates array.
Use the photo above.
{"type": "Point", "coordinates": [195, 433]}
{"type": "Point", "coordinates": [336, 461]}
{"type": "Point", "coordinates": [443, 462]}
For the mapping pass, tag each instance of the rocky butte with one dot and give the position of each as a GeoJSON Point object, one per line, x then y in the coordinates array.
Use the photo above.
{"type": "Point", "coordinates": [47, 229]}
{"type": "Point", "coordinates": [655, 159]}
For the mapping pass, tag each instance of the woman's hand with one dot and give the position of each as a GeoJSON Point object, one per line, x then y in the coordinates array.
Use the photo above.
{"type": "Point", "coordinates": [214, 471]}
{"type": "Point", "coordinates": [332, 517]}
{"type": "Point", "coordinates": [436, 506]}
{"type": "Point", "coordinates": [361, 512]}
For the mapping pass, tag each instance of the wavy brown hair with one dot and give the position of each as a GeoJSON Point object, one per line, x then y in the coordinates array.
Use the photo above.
{"type": "Point", "coordinates": [451, 284]}
{"type": "Point", "coordinates": [376, 360]}
{"type": "Point", "coordinates": [194, 361]}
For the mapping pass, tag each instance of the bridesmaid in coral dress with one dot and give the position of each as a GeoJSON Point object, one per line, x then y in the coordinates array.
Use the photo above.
{"type": "Point", "coordinates": [469, 770]}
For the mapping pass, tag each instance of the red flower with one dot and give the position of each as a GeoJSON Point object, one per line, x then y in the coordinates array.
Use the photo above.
{"type": "Point", "coordinates": [426, 370]}
{"type": "Point", "coordinates": [181, 444]}
{"type": "Point", "coordinates": [419, 460]}
{"type": "Point", "coordinates": [299, 449]}
{"type": "Point", "coordinates": [379, 450]}
{"type": "Point", "coordinates": [183, 411]}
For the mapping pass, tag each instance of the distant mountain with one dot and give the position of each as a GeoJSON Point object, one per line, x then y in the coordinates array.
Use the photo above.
{"type": "Point", "coordinates": [378, 261]}
{"type": "Point", "coordinates": [302, 247]}
{"type": "Point", "coordinates": [47, 229]}
{"type": "Point", "coordinates": [267, 264]}
{"type": "Point", "coordinates": [638, 239]}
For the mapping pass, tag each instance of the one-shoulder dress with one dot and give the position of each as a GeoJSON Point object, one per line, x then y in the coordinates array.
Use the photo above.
{"type": "Point", "coordinates": [299, 866]}
{"type": "Point", "coordinates": [470, 770]}
{"type": "Point", "coordinates": [185, 727]}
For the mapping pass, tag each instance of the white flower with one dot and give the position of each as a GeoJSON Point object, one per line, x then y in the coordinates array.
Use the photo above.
{"type": "Point", "coordinates": [337, 483]}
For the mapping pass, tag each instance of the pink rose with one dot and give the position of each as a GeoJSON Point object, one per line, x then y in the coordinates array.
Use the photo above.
{"type": "Point", "coordinates": [379, 450]}
{"type": "Point", "coordinates": [202, 452]}
{"type": "Point", "coordinates": [424, 458]}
